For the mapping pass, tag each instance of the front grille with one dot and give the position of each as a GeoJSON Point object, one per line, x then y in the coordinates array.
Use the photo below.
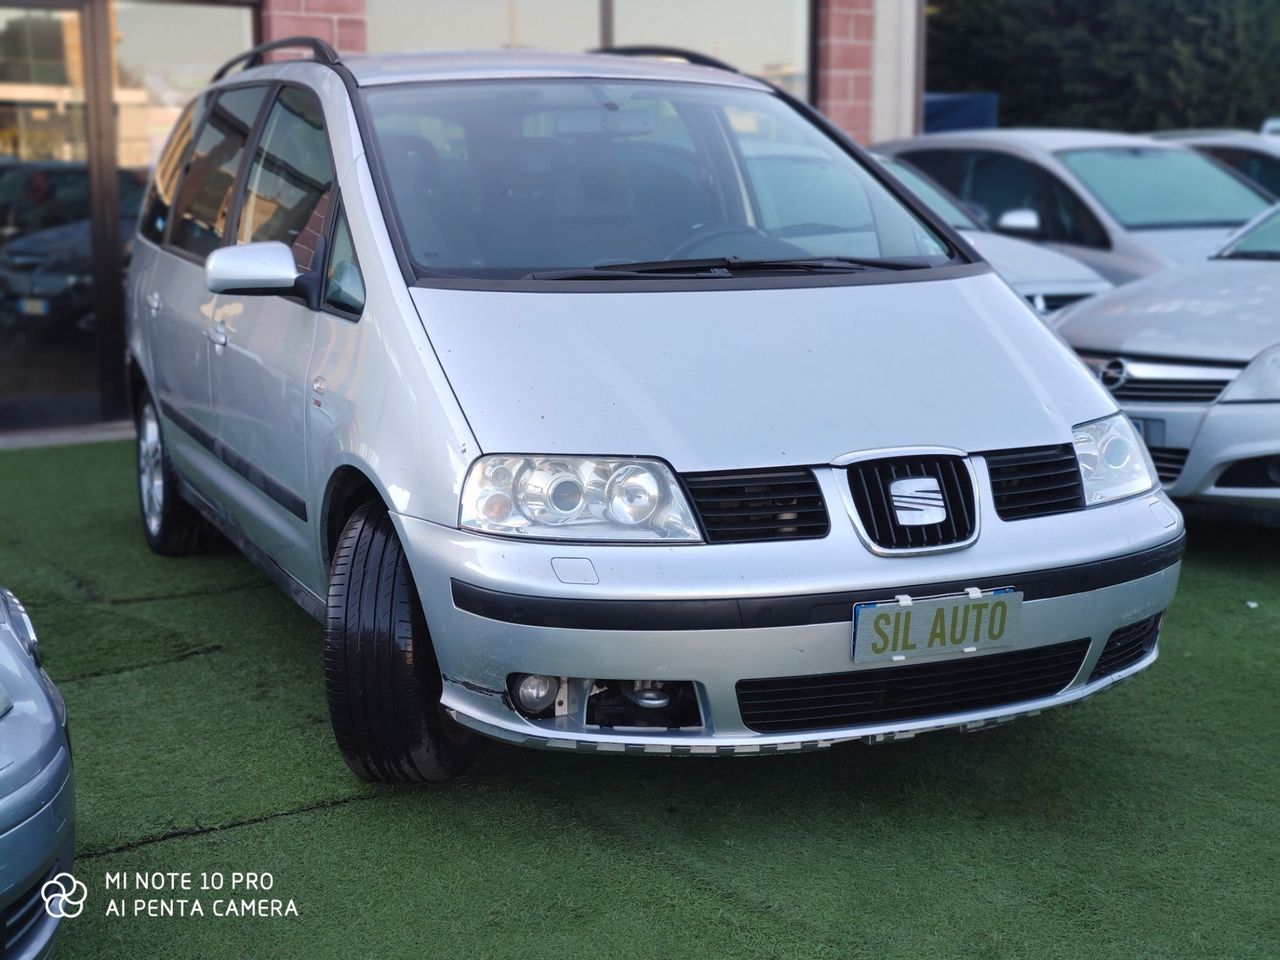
{"type": "Point", "coordinates": [1127, 646]}
{"type": "Point", "coordinates": [759, 505]}
{"type": "Point", "coordinates": [1170, 391]}
{"type": "Point", "coordinates": [1035, 481]}
{"type": "Point", "coordinates": [1255, 472]}
{"type": "Point", "coordinates": [909, 692]}
{"type": "Point", "coordinates": [871, 482]}
{"type": "Point", "coordinates": [1169, 462]}
{"type": "Point", "coordinates": [21, 916]}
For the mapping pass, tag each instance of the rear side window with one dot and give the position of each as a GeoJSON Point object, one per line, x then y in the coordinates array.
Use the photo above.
{"type": "Point", "coordinates": [290, 182]}
{"type": "Point", "coordinates": [155, 214]}
{"type": "Point", "coordinates": [204, 200]}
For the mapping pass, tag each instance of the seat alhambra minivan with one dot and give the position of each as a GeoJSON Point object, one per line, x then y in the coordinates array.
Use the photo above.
{"type": "Point", "coordinates": [618, 402]}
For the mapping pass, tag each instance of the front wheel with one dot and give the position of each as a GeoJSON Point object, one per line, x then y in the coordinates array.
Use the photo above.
{"type": "Point", "coordinates": [381, 675]}
{"type": "Point", "coordinates": [171, 525]}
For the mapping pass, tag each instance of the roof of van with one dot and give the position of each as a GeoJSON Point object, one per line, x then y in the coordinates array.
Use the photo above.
{"type": "Point", "coordinates": [532, 65]}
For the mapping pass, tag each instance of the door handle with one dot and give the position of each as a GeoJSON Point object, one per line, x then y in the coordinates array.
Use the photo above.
{"type": "Point", "coordinates": [153, 302]}
{"type": "Point", "coordinates": [218, 334]}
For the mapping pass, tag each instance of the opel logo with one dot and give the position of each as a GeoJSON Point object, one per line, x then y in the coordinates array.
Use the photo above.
{"type": "Point", "coordinates": [1114, 374]}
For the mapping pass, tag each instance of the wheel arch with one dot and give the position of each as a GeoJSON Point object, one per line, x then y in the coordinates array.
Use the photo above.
{"type": "Point", "coordinates": [348, 489]}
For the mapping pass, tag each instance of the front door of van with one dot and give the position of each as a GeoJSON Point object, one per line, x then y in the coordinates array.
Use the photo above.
{"type": "Point", "coordinates": [260, 386]}
{"type": "Point", "coordinates": [178, 305]}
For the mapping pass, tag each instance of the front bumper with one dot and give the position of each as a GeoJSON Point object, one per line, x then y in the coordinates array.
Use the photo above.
{"type": "Point", "coordinates": [1213, 439]}
{"type": "Point", "coordinates": [38, 844]}
{"type": "Point", "coordinates": [714, 615]}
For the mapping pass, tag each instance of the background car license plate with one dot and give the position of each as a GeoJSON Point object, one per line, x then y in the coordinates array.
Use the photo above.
{"type": "Point", "coordinates": [936, 627]}
{"type": "Point", "coordinates": [34, 307]}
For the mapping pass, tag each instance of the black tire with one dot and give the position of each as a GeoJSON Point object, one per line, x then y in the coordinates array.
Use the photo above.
{"type": "Point", "coordinates": [381, 675]}
{"type": "Point", "coordinates": [172, 526]}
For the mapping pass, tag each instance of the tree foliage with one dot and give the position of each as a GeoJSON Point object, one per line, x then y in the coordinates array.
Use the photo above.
{"type": "Point", "coordinates": [1114, 64]}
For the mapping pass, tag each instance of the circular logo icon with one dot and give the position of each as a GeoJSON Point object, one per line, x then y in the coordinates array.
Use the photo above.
{"type": "Point", "coordinates": [1114, 374]}
{"type": "Point", "coordinates": [64, 896]}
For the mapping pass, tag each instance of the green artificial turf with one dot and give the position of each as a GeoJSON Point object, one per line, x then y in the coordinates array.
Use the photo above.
{"type": "Point", "coordinates": [1143, 823]}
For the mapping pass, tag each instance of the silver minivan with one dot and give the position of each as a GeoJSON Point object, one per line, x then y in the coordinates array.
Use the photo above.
{"type": "Point", "coordinates": [612, 403]}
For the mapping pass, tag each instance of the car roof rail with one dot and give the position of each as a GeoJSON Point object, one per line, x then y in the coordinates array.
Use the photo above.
{"type": "Point", "coordinates": [671, 53]}
{"type": "Point", "coordinates": [322, 53]}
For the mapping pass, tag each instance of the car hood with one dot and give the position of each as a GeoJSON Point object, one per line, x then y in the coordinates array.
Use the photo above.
{"type": "Point", "coordinates": [1215, 310]}
{"type": "Point", "coordinates": [1184, 246]}
{"type": "Point", "coordinates": [732, 379]}
{"type": "Point", "coordinates": [1033, 269]}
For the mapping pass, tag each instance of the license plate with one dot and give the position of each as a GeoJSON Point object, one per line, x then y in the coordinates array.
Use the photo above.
{"type": "Point", "coordinates": [905, 629]}
{"type": "Point", "coordinates": [1140, 427]}
{"type": "Point", "coordinates": [34, 307]}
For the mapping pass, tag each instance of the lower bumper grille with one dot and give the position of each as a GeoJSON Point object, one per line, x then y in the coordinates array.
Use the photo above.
{"type": "Point", "coordinates": [910, 692]}
{"type": "Point", "coordinates": [21, 916]}
{"type": "Point", "coordinates": [1169, 462]}
{"type": "Point", "coordinates": [1127, 646]}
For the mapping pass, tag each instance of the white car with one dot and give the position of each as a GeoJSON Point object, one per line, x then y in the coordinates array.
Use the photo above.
{"type": "Point", "coordinates": [1046, 279]}
{"type": "Point", "coordinates": [1193, 356]}
{"type": "Point", "coordinates": [1127, 206]}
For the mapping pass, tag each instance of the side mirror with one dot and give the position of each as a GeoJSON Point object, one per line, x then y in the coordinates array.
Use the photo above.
{"type": "Point", "coordinates": [1023, 222]}
{"type": "Point", "coordinates": [252, 268]}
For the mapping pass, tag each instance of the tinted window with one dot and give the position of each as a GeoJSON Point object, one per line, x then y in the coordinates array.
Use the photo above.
{"type": "Point", "coordinates": [165, 181]}
{"type": "Point", "coordinates": [1151, 187]}
{"type": "Point", "coordinates": [204, 201]}
{"type": "Point", "coordinates": [344, 285]}
{"type": "Point", "coordinates": [1261, 168]}
{"type": "Point", "coordinates": [996, 183]}
{"type": "Point", "coordinates": [501, 179]}
{"type": "Point", "coordinates": [287, 193]}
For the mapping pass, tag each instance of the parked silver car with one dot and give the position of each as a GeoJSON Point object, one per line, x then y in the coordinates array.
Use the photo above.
{"type": "Point", "coordinates": [37, 795]}
{"type": "Point", "coordinates": [1251, 154]}
{"type": "Point", "coordinates": [1127, 206]}
{"type": "Point", "coordinates": [1193, 356]}
{"type": "Point", "coordinates": [1046, 279]}
{"type": "Point", "coordinates": [583, 425]}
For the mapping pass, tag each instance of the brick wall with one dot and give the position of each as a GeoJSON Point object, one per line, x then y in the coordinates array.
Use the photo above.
{"type": "Point", "coordinates": [846, 31]}
{"type": "Point", "coordinates": [338, 22]}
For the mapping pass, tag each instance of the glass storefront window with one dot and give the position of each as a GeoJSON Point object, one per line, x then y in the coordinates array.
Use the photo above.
{"type": "Point", "coordinates": [400, 25]}
{"type": "Point", "coordinates": [765, 38]}
{"type": "Point", "coordinates": [56, 340]}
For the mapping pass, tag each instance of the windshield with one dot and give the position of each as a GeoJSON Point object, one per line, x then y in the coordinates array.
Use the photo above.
{"type": "Point", "coordinates": [933, 196]}
{"type": "Point", "coordinates": [501, 179]}
{"type": "Point", "coordinates": [1151, 188]}
{"type": "Point", "coordinates": [1259, 242]}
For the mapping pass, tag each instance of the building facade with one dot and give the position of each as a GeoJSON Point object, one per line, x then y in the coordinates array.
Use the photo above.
{"type": "Point", "coordinates": [90, 88]}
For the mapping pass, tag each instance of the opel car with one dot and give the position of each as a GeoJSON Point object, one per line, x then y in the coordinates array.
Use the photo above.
{"type": "Point", "coordinates": [1193, 356]}
{"type": "Point", "coordinates": [584, 418]}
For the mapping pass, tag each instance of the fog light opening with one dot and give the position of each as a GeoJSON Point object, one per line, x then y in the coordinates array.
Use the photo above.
{"type": "Point", "coordinates": [534, 694]}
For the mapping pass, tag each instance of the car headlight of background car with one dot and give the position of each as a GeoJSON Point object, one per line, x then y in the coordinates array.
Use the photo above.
{"type": "Point", "coordinates": [576, 498]}
{"type": "Point", "coordinates": [1260, 380]}
{"type": "Point", "coordinates": [1113, 460]}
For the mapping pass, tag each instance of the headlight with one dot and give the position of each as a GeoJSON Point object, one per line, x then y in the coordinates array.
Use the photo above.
{"type": "Point", "coordinates": [1113, 460]}
{"type": "Point", "coordinates": [1260, 380]}
{"type": "Point", "coordinates": [14, 613]}
{"type": "Point", "coordinates": [576, 498]}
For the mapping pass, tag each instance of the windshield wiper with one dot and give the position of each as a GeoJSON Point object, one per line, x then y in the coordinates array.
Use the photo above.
{"type": "Point", "coordinates": [727, 267]}
{"type": "Point", "coordinates": [1250, 255]}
